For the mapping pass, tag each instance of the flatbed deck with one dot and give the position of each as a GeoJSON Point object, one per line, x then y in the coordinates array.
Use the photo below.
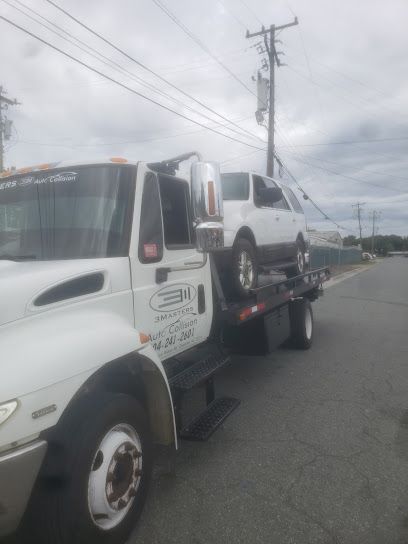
{"type": "Point", "coordinates": [271, 296]}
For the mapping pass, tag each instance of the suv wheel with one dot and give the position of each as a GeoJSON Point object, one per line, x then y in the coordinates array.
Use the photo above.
{"type": "Point", "coordinates": [244, 267]}
{"type": "Point", "coordinates": [300, 266]}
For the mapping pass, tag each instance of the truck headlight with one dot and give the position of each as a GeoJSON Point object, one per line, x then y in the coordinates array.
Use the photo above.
{"type": "Point", "coordinates": [7, 409]}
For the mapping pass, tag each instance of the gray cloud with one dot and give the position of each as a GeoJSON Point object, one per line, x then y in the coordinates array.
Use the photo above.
{"type": "Point", "coordinates": [346, 81]}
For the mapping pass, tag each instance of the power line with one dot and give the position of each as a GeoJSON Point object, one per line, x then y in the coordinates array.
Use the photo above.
{"type": "Point", "coordinates": [232, 159]}
{"type": "Point", "coordinates": [353, 142]}
{"type": "Point", "coordinates": [232, 14]}
{"type": "Point", "coordinates": [145, 67]}
{"type": "Point", "coordinates": [352, 178]}
{"type": "Point", "coordinates": [122, 84]}
{"type": "Point", "coordinates": [360, 169]}
{"type": "Point", "coordinates": [335, 85]}
{"type": "Point", "coordinates": [111, 63]}
{"type": "Point", "coordinates": [251, 11]}
{"type": "Point", "coordinates": [197, 40]}
{"type": "Point", "coordinates": [118, 143]}
{"type": "Point", "coordinates": [318, 208]}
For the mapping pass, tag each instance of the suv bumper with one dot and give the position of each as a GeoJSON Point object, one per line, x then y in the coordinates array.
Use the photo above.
{"type": "Point", "coordinates": [18, 472]}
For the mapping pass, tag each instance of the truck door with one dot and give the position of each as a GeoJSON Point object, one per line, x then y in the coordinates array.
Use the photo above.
{"type": "Point", "coordinates": [176, 313]}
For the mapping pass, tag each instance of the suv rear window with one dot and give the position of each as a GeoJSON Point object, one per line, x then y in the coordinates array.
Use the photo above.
{"type": "Point", "coordinates": [235, 186]}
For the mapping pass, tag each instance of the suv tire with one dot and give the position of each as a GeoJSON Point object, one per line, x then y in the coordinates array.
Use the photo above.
{"type": "Point", "coordinates": [300, 266]}
{"type": "Point", "coordinates": [244, 267]}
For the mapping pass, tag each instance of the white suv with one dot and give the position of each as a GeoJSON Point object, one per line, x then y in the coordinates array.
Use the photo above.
{"type": "Point", "coordinates": [265, 228]}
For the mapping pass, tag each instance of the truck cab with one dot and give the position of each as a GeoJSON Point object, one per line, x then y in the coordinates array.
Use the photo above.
{"type": "Point", "coordinates": [100, 281]}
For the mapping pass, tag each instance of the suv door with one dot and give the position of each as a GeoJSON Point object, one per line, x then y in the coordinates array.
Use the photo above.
{"type": "Point", "coordinates": [273, 223]}
{"type": "Point", "coordinates": [177, 313]}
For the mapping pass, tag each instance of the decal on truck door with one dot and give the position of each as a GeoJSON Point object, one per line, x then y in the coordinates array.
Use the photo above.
{"type": "Point", "coordinates": [177, 316]}
{"type": "Point", "coordinates": [173, 297]}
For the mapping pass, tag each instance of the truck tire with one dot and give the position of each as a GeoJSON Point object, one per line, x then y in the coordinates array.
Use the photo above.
{"type": "Point", "coordinates": [300, 266]}
{"type": "Point", "coordinates": [105, 464]}
{"type": "Point", "coordinates": [301, 323]}
{"type": "Point", "coordinates": [244, 268]}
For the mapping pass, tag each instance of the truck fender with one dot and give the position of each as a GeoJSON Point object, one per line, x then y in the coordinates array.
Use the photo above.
{"type": "Point", "coordinates": [70, 349]}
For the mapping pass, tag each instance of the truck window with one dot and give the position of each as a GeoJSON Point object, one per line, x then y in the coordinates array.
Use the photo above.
{"type": "Point", "coordinates": [235, 186]}
{"type": "Point", "coordinates": [293, 200]}
{"type": "Point", "coordinates": [151, 226]}
{"type": "Point", "coordinates": [175, 203]}
{"type": "Point", "coordinates": [79, 213]}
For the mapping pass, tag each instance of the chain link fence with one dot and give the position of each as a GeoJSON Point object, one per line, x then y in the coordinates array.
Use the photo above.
{"type": "Point", "coordinates": [333, 256]}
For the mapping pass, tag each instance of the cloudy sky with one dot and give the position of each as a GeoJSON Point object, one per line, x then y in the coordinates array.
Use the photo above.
{"type": "Point", "coordinates": [342, 101]}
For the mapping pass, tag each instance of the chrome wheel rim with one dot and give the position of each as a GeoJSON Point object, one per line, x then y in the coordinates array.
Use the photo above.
{"type": "Point", "coordinates": [300, 261]}
{"type": "Point", "coordinates": [308, 324]}
{"type": "Point", "coordinates": [246, 270]}
{"type": "Point", "coordinates": [115, 476]}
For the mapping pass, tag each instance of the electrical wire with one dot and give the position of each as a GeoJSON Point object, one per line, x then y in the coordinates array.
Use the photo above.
{"type": "Point", "coordinates": [117, 143]}
{"type": "Point", "coordinates": [109, 78]}
{"type": "Point", "coordinates": [112, 64]}
{"type": "Point", "coordinates": [199, 42]}
{"type": "Point", "coordinates": [318, 208]}
{"type": "Point", "coordinates": [360, 169]}
{"type": "Point", "coordinates": [352, 178]}
{"type": "Point", "coordinates": [251, 11]}
{"type": "Point", "coordinates": [145, 67]}
{"type": "Point", "coordinates": [353, 142]}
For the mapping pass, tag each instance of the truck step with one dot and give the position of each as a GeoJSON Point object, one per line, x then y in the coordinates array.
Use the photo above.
{"type": "Point", "coordinates": [203, 426]}
{"type": "Point", "coordinates": [199, 372]}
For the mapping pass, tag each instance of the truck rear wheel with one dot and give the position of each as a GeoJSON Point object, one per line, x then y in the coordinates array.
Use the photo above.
{"type": "Point", "coordinates": [301, 323]}
{"type": "Point", "coordinates": [105, 464]}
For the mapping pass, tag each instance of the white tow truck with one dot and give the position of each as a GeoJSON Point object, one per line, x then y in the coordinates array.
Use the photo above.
{"type": "Point", "coordinates": [111, 309]}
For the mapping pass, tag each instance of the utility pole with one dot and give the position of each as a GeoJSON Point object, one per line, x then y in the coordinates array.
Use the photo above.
{"type": "Point", "coordinates": [269, 36]}
{"type": "Point", "coordinates": [5, 125]}
{"type": "Point", "coordinates": [358, 207]}
{"type": "Point", "coordinates": [375, 216]}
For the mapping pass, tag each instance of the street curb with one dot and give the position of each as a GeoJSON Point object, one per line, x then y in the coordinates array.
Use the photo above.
{"type": "Point", "coordinates": [344, 276]}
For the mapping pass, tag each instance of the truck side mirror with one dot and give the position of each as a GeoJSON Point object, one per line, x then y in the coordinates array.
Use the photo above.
{"type": "Point", "coordinates": [207, 206]}
{"type": "Point", "coordinates": [269, 195]}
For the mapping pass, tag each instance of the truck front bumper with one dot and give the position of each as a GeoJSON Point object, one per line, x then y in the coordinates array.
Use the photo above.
{"type": "Point", "coordinates": [18, 471]}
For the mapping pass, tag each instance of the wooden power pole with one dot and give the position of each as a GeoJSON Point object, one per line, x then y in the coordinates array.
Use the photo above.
{"type": "Point", "coordinates": [269, 36]}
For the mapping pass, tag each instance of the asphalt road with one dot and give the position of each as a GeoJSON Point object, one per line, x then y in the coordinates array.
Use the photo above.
{"type": "Point", "coordinates": [317, 452]}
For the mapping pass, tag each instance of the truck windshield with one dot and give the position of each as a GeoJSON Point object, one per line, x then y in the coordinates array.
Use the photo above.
{"type": "Point", "coordinates": [73, 213]}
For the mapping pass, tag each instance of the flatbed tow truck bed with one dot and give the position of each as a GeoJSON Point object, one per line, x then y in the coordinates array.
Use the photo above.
{"type": "Point", "coordinates": [254, 326]}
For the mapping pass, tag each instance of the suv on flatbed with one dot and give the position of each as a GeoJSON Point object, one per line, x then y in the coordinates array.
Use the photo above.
{"type": "Point", "coordinates": [265, 228]}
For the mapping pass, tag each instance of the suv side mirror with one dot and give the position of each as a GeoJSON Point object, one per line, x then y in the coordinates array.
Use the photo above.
{"type": "Point", "coordinates": [269, 195]}
{"type": "Point", "coordinates": [207, 206]}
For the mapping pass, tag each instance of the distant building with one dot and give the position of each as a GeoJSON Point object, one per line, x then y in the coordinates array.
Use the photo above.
{"type": "Point", "coordinates": [325, 238]}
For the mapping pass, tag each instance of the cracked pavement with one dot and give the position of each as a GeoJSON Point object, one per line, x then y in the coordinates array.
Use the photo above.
{"type": "Point", "coordinates": [317, 452]}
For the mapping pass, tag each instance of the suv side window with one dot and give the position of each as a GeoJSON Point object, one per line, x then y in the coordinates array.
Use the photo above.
{"type": "Point", "coordinates": [259, 183]}
{"type": "Point", "coordinates": [175, 201]}
{"type": "Point", "coordinates": [151, 226]}
{"type": "Point", "coordinates": [293, 200]}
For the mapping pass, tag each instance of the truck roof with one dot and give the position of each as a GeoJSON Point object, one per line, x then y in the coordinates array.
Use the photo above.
{"type": "Point", "coordinates": [66, 164]}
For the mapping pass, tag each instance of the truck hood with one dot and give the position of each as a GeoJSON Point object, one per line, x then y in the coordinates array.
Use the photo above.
{"type": "Point", "coordinates": [21, 282]}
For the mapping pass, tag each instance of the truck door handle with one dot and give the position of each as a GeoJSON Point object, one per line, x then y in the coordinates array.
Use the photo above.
{"type": "Point", "coordinates": [294, 220]}
{"type": "Point", "coordinates": [277, 218]}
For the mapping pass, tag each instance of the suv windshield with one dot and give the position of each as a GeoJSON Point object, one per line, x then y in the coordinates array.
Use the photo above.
{"type": "Point", "coordinates": [75, 213]}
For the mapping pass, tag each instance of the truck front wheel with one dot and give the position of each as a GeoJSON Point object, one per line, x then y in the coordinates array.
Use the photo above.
{"type": "Point", "coordinates": [105, 459]}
